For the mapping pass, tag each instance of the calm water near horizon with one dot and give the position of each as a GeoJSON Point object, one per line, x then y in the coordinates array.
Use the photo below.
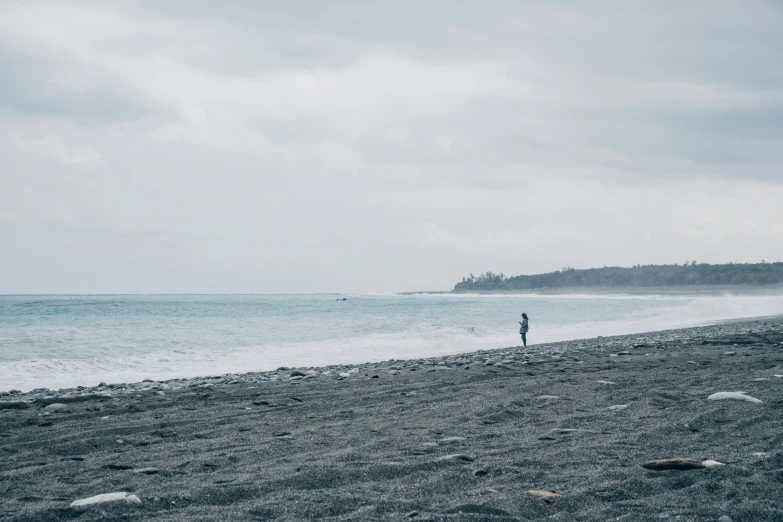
{"type": "Point", "coordinates": [63, 341]}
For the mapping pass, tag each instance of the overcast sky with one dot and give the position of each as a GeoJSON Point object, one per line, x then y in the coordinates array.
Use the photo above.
{"type": "Point", "coordinates": [245, 146]}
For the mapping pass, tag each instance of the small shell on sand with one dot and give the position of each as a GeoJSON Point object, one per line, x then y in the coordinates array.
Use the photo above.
{"type": "Point", "coordinates": [543, 493]}
{"type": "Point", "coordinates": [84, 503]}
{"type": "Point", "coordinates": [737, 396]}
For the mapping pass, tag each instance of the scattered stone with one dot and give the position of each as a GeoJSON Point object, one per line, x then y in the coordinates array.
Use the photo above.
{"type": "Point", "coordinates": [344, 374]}
{"type": "Point", "coordinates": [725, 518]}
{"type": "Point", "coordinates": [712, 463]}
{"type": "Point", "coordinates": [146, 471]}
{"type": "Point", "coordinates": [606, 382]}
{"type": "Point", "coordinates": [354, 371]}
{"type": "Point", "coordinates": [297, 373]}
{"type": "Point", "coordinates": [456, 456]}
{"type": "Point", "coordinates": [563, 430]}
{"type": "Point", "coordinates": [543, 493]}
{"type": "Point", "coordinates": [737, 396]}
{"type": "Point", "coordinates": [15, 405]}
{"type": "Point", "coordinates": [548, 397]}
{"type": "Point", "coordinates": [480, 472]}
{"type": "Point", "coordinates": [58, 408]}
{"type": "Point", "coordinates": [84, 503]}
{"type": "Point", "coordinates": [672, 464]}
{"type": "Point", "coordinates": [618, 406]}
{"type": "Point", "coordinates": [412, 514]}
{"type": "Point", "coordinates": [761, 455]}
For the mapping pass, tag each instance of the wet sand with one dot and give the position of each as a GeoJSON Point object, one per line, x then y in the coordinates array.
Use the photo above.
{"type": "Point", "coordinates": [452, 438]}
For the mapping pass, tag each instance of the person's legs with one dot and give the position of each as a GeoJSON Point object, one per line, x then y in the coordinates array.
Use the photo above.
{"type": "Point", "coordinates": [524, 339]}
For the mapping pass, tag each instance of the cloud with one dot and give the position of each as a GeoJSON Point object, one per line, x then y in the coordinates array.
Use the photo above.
{"type": "Point", "coordinates": [53, 146]}
{"type": "Point", "coordinates": [418, 141]}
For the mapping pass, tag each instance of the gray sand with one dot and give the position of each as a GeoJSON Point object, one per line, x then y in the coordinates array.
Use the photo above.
{"type": "Point", "coordinates": [441, 442]}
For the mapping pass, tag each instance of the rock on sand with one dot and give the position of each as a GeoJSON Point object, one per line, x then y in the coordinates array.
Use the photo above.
{"type": "Point", "coordinates": [737, 396]}
{"type": "Point", "coordinates": [84, 503]}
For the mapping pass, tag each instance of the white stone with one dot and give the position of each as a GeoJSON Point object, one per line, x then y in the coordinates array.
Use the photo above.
{"type": "Point", "coordinates": [345, 374]}
{"type": "Point", "coordinates": [548, 397]}
{"type": "Point", "coordinates": [761, 455]}
{"type": "Point", "coordinates": [606, 382]}
{"type": "Point", "coordinates": [58, 408]}
{"type": "Point", "coordinates": [618, 407]}
{"type": "Point", "coordinates": [354, 370]}
{"type": "Point", "coordinates": [712, 463]}
{"type": "Point", "coordinates": [737, 396]}
{"type": "Point", "coordinates": [84, 503]}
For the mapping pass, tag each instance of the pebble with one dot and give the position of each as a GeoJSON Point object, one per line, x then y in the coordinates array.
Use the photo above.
{"type": "Point", "coordinates": [761, 454]}
{"type": "Point", "coordinates": [711, 463]}
{"type": "Point", "coordinates": [412, 514]}
{"type": "Point", "coordinates": [548, 397]}
{"type": "Point", "coordinates": [146, 471]}
{"type": "Point", "coordinates": [618, 407]}
{"type": "Point", "coordinates": [672, 464]}
{"type": "Point", "coordinates": [725, 518]}
{"type": "Point", "coordinates": [15, 405]}
{"type": "Point", "coordinates": [84, 503]}
{"type": "Point", "coordinates": [543, 493]}
{"type": "Point", "coordinates": [58, 408]}
{"type": "Point", "coordinates": [344, 374]}
{"type": "Point", "coordinates": [297, 373]}
{"type": "Point", "coordinates": [456, 456]}
{"type": "Point", "coordinates": [354, 371]}
{"type": "Point", "coordinates": [737, 396]}
{"type": "Point", "coordinates": [606, 382]}
{"type": "Point", "coordinates": [449, 440]}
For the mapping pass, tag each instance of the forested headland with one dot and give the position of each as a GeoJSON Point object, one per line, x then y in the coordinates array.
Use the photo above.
{"type": "Point", "coordinates": [639, 276]}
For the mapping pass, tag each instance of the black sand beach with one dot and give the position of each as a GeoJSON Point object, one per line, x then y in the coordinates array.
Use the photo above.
{"type": "Point", "coordinates": [456, 438]}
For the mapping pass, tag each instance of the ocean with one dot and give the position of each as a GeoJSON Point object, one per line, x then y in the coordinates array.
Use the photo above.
{"type": "Point", "coordinates": [59, 341]}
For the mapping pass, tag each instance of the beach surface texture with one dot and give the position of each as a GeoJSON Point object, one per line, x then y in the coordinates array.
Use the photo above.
{"type": "Point", "coordinates": [572, 431]}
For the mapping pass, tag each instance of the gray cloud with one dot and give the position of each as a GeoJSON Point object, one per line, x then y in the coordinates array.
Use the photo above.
{"type": "Point", "coordinates": [356, 146]}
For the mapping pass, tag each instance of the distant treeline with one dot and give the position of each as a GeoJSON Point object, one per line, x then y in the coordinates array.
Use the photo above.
{"type": "Point", "coordinates": [691, 273]}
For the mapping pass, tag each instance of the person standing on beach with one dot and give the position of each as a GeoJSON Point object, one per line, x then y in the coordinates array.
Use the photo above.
{"type": "Point", "coordinates": [523, 328]}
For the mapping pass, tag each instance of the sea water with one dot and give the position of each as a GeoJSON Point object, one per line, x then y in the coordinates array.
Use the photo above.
{"type": "Point", "coordinates": [63, 341]}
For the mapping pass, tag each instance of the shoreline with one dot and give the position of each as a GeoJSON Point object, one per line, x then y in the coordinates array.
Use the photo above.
{"type": "Point", "coordinates": [47, 395]}
{"type": "Point", "coordinates": [456, 438]}
{"type": "Point", "coordinates": [107, 389]}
